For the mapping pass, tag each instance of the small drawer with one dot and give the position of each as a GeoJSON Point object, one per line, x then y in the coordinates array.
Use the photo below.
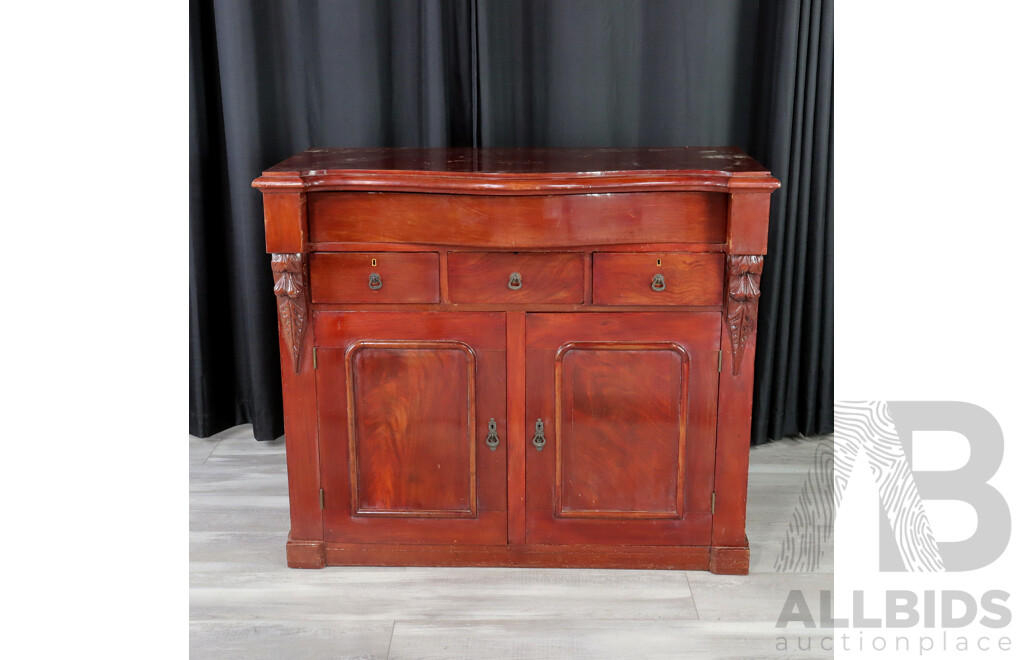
{"type": "Point", "coordinates": [633, 279]}
{"type": "Point", "coordinates": [375, 277]}
{"type": "Point", "coordinates": [515, 277]}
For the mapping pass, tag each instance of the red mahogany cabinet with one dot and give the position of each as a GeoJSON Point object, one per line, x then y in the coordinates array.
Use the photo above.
{"type": "Point", "coordinates": [518, 357]}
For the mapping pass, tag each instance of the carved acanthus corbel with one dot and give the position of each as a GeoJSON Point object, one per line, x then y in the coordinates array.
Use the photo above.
{"type": "Point", "coordinates": [292, 301]}
{"type": "Point", "coordinates": [744, 291]}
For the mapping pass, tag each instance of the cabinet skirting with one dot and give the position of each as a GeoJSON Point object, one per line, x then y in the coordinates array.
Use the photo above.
{"type": "Point", "coordinates": [723, 560]}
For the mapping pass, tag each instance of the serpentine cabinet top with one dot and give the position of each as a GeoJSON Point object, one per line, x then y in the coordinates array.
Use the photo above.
{"type": "Point", "coordinates": [519, 171]}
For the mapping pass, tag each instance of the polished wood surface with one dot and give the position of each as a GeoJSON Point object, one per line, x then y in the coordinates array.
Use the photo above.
{"type": "Point", "coordinates": [486, 277]}
{"type": "Point", "coordinates": [629, 279]}
{"type": "Point", "coordinates": [400, 420]}
{"type": "Point", "coordinates": [403, 423]}
{"type": "Point", "coordinates": [407, 277]}
{"type": "Point", "coordinates": [519, 171]}
{"type": "Point", "coordinates": [627, 400]}
{"type": "Point", "coordinates": [620, 430]}
{"type": "Point", "coordinates": [542, 222]}
{"type": "Point", "coordinates": [424, 293]}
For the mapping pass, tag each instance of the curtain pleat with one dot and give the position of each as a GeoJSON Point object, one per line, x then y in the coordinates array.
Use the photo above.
{"type": "Point", "coordinates": [793, 376]}
{"type": "Point", "coordinates": [271, 79]}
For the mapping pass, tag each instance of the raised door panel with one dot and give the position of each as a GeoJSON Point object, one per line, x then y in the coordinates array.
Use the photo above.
{"type": "Point", "coordinates": [405, 402]}
{"type": "Point", "coordinates": [628, 402]}
{"type": "Point", "coordinates": [610, 462]}
{"type": "Point", "coordinates": [411, 446]}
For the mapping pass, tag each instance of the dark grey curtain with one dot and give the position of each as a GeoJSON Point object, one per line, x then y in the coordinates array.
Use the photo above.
{"type": "Point", "coordinates": [270, 79]}
{"type": "Point", "coordinates": [793, 374]}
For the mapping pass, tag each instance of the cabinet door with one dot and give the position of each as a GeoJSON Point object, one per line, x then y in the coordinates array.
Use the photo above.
{"type": "Point", "coordinates": [628, 402]}
{"type": "Point", "coordinates": [404, 405]}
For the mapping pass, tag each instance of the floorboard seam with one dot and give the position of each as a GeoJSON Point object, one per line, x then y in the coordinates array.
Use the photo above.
{"type": "Point", "coordinates": [211, 452]}
{"type": "Point", "coordinates": [391, 638]}
{"type": "Point", "coordinates": [693, 596]}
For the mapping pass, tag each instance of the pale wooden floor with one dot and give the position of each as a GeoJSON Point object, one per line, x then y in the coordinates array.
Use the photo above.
{"type": "Point", "coordinates": [245, 603]}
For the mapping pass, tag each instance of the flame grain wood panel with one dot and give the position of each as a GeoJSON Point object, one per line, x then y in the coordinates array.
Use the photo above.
{"type": "Point", "coordinates": [518, 357]}
{"type": "Point", "coordinates": [553, 277]}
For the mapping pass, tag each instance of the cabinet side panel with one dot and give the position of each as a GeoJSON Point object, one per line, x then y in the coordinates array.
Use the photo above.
{"type": "Point", "coordinates": [300, 432]}
{"type": "Point", "coordinates": [284, 217]}
{"type": "Point", "coordinates": [748, 223]}
{"type": "Point", "coordinates": [732, 453]}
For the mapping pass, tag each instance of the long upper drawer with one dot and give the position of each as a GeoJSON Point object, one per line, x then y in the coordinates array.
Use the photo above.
{"type": "Point", "coordinates": [529, 221]}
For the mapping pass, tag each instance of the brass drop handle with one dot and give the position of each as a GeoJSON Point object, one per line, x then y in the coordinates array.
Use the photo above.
{"type": "Point", "coordinates": [538, 435]}
{"type": "Point", "coordinates": [515, 281]}
{"type": "Point", "coordinates": [492, 435]}
{"type": "Point", "coordinates": [658, 282]}
{"type": "Point", "coordinates": [375, 281]}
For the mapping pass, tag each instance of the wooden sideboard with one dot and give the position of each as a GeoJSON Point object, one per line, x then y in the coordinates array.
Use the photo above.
{"type": "Point", "coordinates": [518, 357]}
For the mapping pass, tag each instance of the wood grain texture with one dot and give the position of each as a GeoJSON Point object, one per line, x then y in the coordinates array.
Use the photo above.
{"type": "Point", "coordinates": [411, 406]}
{"type": "Point", "coordinates": [634, 265]}
{"type": "Point", "coordinates": [539, 222]}
{"type": "Point", "coordinates": [408, 277]}
{"type": "Point", "coordinates": [735, 397]}
{"type": "Point", "coordinates": [298, 385]}
{"type": "Point", "coordinates": [729, 561]}
{"type": "Point", "coordinates": [403, 415]}
{"type": "Point", "coordinates": [484, 277]}
{"type": "Point", "coordinates": [582, 555]}
{"type": "Point", "coordinates": [284, 220]}
{"type": "Point", "coordinates": [620, 403]}
{"type": "Point", "coordinates": [484, 331]}
{"type": "Point", "coordinates": [626, 279]}
{"type": "Point", "coordinates": [516, 428]}
{"type": "Point", "coordinates": [748, 222]}
{"type": "Point", "coordinates": [306, 554]}
{"type": "Point", "coordinates": [620, 430]}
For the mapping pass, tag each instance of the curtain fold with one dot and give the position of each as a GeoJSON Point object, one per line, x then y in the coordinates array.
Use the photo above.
{"type": "Point", "coordinates": [270, 79]}
{"type": "Point", "coordinates": [793, 375]}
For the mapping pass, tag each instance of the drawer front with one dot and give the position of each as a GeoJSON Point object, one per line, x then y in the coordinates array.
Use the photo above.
{"type": "Point", "coordinates": [488, 277]}
{"type": "Point", "coordinates": [518, 221]}
{"type": "Point", "coordinates": [631, 279]}
{"type": "Point", "coordinates": [401, 277]}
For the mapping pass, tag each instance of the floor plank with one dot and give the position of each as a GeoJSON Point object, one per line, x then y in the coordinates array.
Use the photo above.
{"type": "Point", "coordinates": [448, 593]}
{"type": "Point", "coordinates": [295, 640]}
{"type": "Point", "coordinates": [543, 640]}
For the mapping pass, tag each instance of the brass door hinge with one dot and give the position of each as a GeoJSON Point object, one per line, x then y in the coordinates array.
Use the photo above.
{"type": "Point", "coordinates": [719, 360]}
{"type": "Point", "coordinates": [712, 502]}
{"type": "Point", "coordinates": [321, 498]}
